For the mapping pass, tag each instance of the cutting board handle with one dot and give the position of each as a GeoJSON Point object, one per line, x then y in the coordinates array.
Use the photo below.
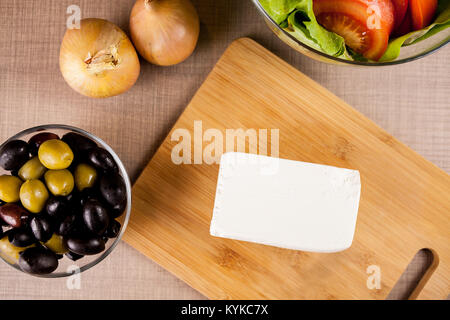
{"type": "Point", "coordinates": [426, 289]}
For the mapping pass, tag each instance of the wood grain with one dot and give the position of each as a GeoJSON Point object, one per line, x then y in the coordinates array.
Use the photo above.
{"type": "Point", "coordinates": [404, 203]}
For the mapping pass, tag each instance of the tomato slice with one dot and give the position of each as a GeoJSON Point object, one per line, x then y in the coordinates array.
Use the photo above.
{"type": "Point", "coordinates": [400, 7]}
{"type": "Point", "coordinates": [422, 12]}
{"type": "Point", "coordinates": [365, 25]}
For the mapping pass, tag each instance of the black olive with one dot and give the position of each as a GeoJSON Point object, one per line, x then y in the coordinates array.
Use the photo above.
{"type": "Point", "coordinates": [118, 209]}
{"type": "Point", "coordinates": [67, 226]}
{"type": "Point", "coordinates": [38, 260]}
{"type": "Point", "coordinates": [57, 208]}
{"type": "Point", "coordinates": [102, 160]}
{"type": "Point", "coordinates": [77, 199]}
{"type": "Point", "coordinates": [86, 245]}
{"type": "Point", "coordinates": [21, 237]}
{"type": "Point", "coordinates": [41, 227]}
{"type": "Point", "coordinates": [59, 256]}
{"type": "Point", "coordinates": [2, 222]}
{"type": "Point", "coordinates": [14, 154]}
{"type": "Point", "coordinates": [95, 216]}
{"type": "Point", "coordinates": [88, 193]}
{"type": "Point", "coordinates": [35, 142]}
{"type": "Point", "coordinates": [1, 232]}
{"type": "Point", "coordinates": [113, 229]}
{"type": "Point", "coordinates": [73, 256]}
{"type": "Point", "coordinates": [78, 143]}
{"type": "Point", "coordinates": [113, 190]}
{"type": "Point", "coordinates": [73, 226]}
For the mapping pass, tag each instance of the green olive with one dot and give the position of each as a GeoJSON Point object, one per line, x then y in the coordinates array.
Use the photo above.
{"type": "Point", "coordinates": [85, 176]}
{"type": "Point", "coordinates": [33, 195]}
{"type": "Point", "coordinates": [59, 182]}
{"type": "Point", "coordinates": [55, 154]}
{"type": "Point", "coordinates": [56, 244]}
{"type": "Point", "coordinates": [9, 188]}
{"type": "Point", "coordinates": [32, 169]}
{"type": "Point", "coordinates": [10, 252]}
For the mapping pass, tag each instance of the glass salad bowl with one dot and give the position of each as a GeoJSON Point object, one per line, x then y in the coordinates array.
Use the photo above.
{"type": "Point", "coordinates": [407, 53]}
{"type": "Point", "coordinates": [66, 266]}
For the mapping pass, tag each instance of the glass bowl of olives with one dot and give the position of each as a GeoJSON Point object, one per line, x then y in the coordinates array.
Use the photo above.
{"type": "Point", "coordinates": [65, 200]}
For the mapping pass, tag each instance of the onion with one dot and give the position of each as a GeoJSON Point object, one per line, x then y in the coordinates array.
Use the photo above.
{"type": "Point", "coordinates": [98, 60]}
{"type": "Point", "coordinates": [165, 32]}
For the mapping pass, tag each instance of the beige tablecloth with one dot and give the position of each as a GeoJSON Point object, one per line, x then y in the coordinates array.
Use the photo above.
{"type": "Point", "coordinates": [410, 101]}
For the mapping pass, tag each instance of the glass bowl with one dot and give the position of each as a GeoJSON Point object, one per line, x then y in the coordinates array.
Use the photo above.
{"type": "Point", "coordinates": [407, 53]}
{"type": "Point", "coordinates": [67, 267]}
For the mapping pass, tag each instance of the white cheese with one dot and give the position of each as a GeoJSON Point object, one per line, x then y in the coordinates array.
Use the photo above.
{"type": "Point", "coordinates": [284, 203]}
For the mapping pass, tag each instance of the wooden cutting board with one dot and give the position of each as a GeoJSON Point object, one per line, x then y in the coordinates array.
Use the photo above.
{"type": "Point", "coordinates": [404, 207]}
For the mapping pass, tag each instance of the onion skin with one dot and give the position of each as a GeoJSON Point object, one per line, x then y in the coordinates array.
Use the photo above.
{"type": "Point", "coordinates": [165, 32]}
{"type": "Point", "coordinates": [98, 60]}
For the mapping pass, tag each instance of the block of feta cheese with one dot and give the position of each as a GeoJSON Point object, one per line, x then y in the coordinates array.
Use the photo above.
{"type": "Point", "coordinates": [284, 203]}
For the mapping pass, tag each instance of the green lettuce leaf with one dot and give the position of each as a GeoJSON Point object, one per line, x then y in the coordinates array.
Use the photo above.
{"type": "Point", "coordinates": [302, 23]}
{"type": "Point", "coordinates": [279, 10]}
{"type": "Point", "coordinates": [442, 22]}
{"type": "Point", "coordinates": [297, 18]}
